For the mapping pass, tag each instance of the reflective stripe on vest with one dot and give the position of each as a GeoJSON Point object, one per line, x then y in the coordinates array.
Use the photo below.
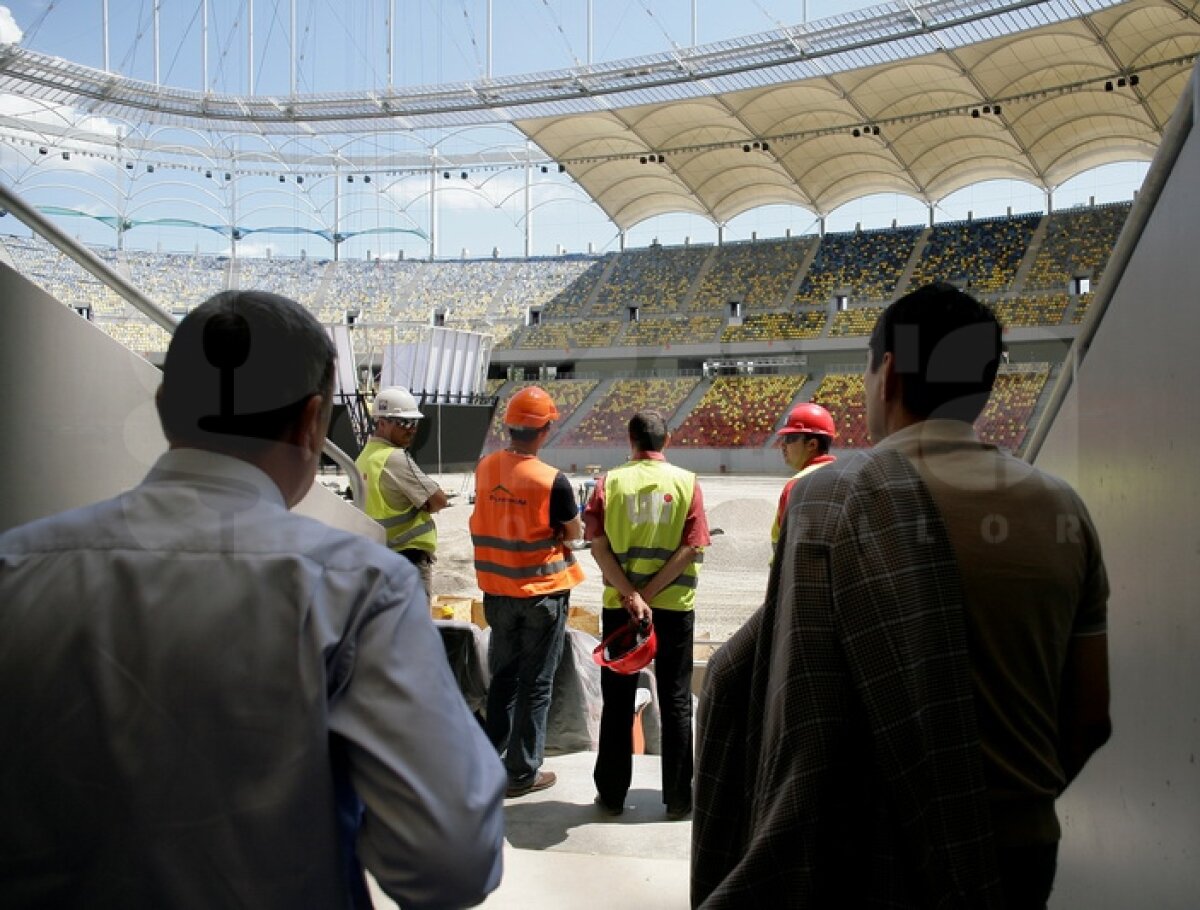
{"type": "Point", "coordinates": [646, 503]}
{"type": "Point", "coordinates": [516, 551]}
{"type": "Point", "coordinates": [407, 529]}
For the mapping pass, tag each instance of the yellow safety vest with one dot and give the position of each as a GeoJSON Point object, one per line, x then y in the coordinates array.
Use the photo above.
{"type": "Point", "coordinates": [407, 529]}
{"type": "Point", "coordinates": [646, 503]}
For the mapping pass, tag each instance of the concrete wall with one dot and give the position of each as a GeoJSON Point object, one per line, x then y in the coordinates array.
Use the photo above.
{"type": "Point", "coordinates": [1128, 438]}
{"type": "Point", "coordinates": [79, 417]}
{"type": "Point", "coordinates": [80, 423]}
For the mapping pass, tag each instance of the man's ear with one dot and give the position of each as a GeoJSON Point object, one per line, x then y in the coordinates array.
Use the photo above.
{"type": "Point", "coordinates": [666, 441]}
{"type": "Point", "coordinates": [310, 428]}
{"type": "Point", "coordinates": [889, 379]}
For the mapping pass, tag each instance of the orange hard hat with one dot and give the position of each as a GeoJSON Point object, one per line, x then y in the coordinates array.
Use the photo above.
{"type": "Point", "coordinates": [531, 407]}
{"type": "Point", "coordinates": [809, 418]}
{"type": "Point", "coordinates": [628, 649]}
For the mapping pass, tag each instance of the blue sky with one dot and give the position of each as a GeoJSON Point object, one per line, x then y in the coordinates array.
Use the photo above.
{"type": "Point", "coordinates": [341, 45]}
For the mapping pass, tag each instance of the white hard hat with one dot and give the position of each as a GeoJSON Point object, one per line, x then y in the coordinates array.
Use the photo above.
{"type": "Point", "coordinates": [395, 403]}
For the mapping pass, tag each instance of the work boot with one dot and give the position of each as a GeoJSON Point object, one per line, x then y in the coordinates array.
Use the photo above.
{"type": "Point", "coordinates": [543, 780]}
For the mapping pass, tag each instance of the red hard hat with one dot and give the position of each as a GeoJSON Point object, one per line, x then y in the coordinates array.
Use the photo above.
{"type": "Point", "coordinates": [531, 407]}
{"type": "Point", "coordinates": [628, 649]}
{"type": "Point", "coordinates": [809, 418]}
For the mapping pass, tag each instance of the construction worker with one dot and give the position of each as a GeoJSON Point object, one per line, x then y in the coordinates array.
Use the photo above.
{"type": "Point", "coordinates": [804, 440]}
{"type": "Point", "coordinates": [525, 516]}
{"type": "Point", "coordinates": [399, 494]}
{"type": "Point", "coordinates": [648, 531]}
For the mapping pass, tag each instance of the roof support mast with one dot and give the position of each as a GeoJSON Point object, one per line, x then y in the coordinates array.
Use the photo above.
{"type": "Point", "coordinates": [292, 48]}
{"type": "Point", "coordinates": [337, 215]}
{"type": "Point", "coordinates": [528, 199]}
{"type": "Point", "coordinates": [157, 36]}
{"type": "Point", "coordinates": [104, 32]}
{"type": "Point", "coordinates": [433, 204]}
{"type": "Point", "coordinates": [249, 47]}
{"type": "Point", "coordinates": [234, 235]}
{"type": "Point", "coordinates": [204, 45]}
{"type": "Point", "coordinates": [391, 26]}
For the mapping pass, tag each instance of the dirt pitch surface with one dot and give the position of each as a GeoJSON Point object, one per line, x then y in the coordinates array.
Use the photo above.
{"type": "Point", "coordinates": [732, 581]}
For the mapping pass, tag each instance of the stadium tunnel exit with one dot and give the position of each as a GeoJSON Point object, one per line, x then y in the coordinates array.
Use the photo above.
{"type": "Point", "coordinates": [1122, 434]}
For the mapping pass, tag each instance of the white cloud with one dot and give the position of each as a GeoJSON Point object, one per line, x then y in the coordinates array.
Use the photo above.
{"type": "Point", "coordinates": [10, 32]}
{"type": "Point", "coordinates": [60, 118]}
{"type": "Point", "coordinates": [14, 104]}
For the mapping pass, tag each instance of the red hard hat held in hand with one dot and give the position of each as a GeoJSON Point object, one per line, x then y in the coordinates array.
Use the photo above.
{"type": "Point", "coordinates": [628, 649]}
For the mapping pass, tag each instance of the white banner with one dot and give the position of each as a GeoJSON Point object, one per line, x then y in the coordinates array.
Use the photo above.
{"type": "Point", "coordinates": [347, 379]}
{"type": "Point", "coordinates": [447, 365]}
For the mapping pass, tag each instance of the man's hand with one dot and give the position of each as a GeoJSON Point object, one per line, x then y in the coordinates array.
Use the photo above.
{"type": "Point", "coordinates": [637, 607]}
{"type": "Point", "coordinates": [437, 501]}
{"type": "Point", "coordinates": [571, 530]}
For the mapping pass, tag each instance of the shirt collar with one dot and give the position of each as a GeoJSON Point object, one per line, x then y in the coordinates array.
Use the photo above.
{"type": "Point", "coordinates": [200, 465]}
{"type": "Point", "coordinates": [650, 456]}
{"type": "Point", "coordinates": [926, 432]}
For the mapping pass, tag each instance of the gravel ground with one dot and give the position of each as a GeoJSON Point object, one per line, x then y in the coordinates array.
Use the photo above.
{"type": "Point", "coordinates": [732, 582]}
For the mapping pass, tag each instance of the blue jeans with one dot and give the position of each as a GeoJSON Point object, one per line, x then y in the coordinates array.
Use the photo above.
{"type": "Point", "coordinates": [523, 653]}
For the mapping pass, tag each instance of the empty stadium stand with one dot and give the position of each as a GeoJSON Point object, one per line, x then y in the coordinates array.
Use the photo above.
{"type": "Point", "coordinates": [981, 256]}
{"type": "Point", "coordinates": [1078, 243]}
{"type": "Point", "coordinates": [756, 274]}
{"type": "Point", "coordinates": [865, 265]}
{"type": "Point", "coordinates": [568, 394]}
{"type": "Point", "coordinates": [655, 280]}
{"type": "Point", "coordinates": [738, 411]}
{"type": "Point", "coordinates": [606, 424]}
{"type": "Point", "coordinates": [643, 303]}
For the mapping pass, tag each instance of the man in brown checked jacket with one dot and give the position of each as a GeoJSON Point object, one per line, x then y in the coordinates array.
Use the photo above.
{"type": "Point", "coordinates": [929, 669]}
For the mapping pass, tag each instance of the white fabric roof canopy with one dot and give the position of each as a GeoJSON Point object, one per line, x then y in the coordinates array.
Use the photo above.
{"type": "Point", "coordinates": [941, 93]}
{"type": "Point", "coordinates": [1056, 119]}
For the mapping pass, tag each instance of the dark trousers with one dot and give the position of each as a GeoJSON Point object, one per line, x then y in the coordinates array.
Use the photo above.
{"type": "Point", "coordinates": [523, 652]}
{"type": "Point", "coordinates": [349, 818]}
{"type": "Point", "coordinates": [423, 560]}
{"type": "Point", "coordinates": [673, 674]}
{"type": "Point", "coordinates": [1027, 874]}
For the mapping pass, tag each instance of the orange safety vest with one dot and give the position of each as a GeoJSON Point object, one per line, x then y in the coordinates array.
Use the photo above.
{"type": "Point", "coordinates": [516, 551]}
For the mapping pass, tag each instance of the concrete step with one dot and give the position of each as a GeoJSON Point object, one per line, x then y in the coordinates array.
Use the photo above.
{"type": "Point", "coordinates": [560, 851]}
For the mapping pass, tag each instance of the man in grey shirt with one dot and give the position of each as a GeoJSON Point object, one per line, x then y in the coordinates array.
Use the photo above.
{"type": "Point", "coordinates": [199, 684]}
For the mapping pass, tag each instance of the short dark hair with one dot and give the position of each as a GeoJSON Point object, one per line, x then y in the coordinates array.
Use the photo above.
{"type": "Point", "coordinates": [527, 434]}
{"type": "Point", "coordinates": [648, 431]}
{"type": "Point", "coordinates": [946, 346]}
{"type": "Point", "coordinates": [240, 369]}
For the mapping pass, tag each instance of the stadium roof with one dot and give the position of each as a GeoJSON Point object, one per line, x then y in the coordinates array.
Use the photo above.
{"type": "Point", "coordinates": [920, 99]}
{"type": "Point", "coordinates": [938, 107]}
